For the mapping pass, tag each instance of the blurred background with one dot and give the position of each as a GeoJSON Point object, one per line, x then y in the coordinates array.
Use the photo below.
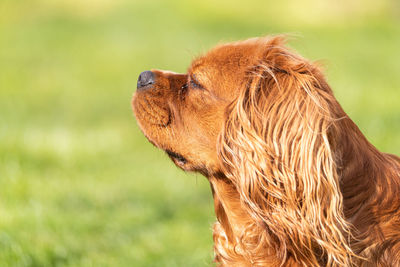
{"type": "Point", "coordinates": [80, 185]}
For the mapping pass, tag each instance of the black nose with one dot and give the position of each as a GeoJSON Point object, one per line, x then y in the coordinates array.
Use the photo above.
{"type": "Point", "coordinates": [145, 78]}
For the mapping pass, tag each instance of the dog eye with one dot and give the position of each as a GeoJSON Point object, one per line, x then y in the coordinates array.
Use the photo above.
{"type": "Point", "coordinates": [194, 83]}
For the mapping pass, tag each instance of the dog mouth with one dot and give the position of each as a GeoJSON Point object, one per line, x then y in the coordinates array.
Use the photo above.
{"type": "Point", "coordinates": [176, 157]}
{"type": "Point", "coordinates": [152, 112]}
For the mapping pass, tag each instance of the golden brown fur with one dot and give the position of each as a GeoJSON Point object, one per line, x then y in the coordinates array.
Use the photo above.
{"type": "Point", "coordinates": [294, 181]}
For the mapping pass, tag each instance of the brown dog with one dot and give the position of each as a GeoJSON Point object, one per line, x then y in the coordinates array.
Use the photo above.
{"type": "Point", "coordinates": [294, 181]}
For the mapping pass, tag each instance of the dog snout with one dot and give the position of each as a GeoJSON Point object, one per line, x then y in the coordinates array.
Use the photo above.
{"type": "Point", "coordinates": [145, 78]}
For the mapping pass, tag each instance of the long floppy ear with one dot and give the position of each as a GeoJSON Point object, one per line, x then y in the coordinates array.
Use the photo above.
{"type": "Point", "coordinates": [278, 150]}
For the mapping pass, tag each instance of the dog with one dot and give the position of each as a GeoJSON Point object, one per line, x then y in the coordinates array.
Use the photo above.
{"type": "Point", "coordinates": [294, 181]}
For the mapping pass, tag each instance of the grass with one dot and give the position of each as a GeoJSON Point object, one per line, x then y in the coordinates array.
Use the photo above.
{"type": "Point", "coordinates": [80, 185]}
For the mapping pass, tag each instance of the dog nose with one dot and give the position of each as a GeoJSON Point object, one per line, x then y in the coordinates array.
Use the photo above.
{"type": "Point", "coordinates": [145, 78]}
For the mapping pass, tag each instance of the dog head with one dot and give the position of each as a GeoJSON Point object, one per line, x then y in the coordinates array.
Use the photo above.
{"type": "Point", "coordinates": [184, 114]}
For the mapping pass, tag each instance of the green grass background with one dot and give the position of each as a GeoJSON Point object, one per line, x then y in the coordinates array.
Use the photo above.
{"type": "Point", "coordinates": [80, 185]}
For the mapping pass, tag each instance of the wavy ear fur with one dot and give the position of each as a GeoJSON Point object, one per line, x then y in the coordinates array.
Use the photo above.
{"type": "Point", "coordinates": [278, 150]}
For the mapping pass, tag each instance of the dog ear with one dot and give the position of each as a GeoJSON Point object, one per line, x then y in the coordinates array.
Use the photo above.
{"type": "Point", "coordinates": [277, 148]}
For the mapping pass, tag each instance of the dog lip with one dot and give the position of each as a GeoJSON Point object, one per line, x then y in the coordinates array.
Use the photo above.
{"type": "Point", "coordinates": [152, 117]}
{"type": "Point", "coordinates": [176, 156]}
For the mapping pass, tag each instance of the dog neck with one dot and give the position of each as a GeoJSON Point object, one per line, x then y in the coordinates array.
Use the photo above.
{"type": "Point", "coordinates": [238, 239]}
{"type": "Point", "coordinates": [365, 174]}
{"type": "Point", "coordinates": [370, 185]}
{"type": "Point", "coordinates": [228, 208]}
